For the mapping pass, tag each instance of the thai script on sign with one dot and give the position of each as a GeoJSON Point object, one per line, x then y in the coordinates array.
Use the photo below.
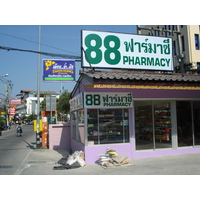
{"type": "Point", "coordinates": [102, 100]}
{"type": "Point", "coordinates": [58, 70]}
{"type": "Point", "coordinates": [146, 47]}
{"type": "Point", "coordinates": [117, 100]}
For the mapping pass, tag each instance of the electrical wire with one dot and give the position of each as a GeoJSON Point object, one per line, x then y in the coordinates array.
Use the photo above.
{"type": "Point", "coordinates": [36, 42]}
{"type": "Point", "coordinates": [77, 58]}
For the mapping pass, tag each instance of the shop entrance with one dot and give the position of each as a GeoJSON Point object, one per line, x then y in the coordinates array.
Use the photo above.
{"type": "Point", "coordinates": [188, 123]}
{"type": "Point", "coordinates": [184, 123]}
{"type": "Point", "coordinates": [196, 119]}
{"type": "Point", "coordinates": [152, 125]}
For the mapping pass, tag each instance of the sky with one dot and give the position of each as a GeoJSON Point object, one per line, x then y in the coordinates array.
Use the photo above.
{"type": "Point", "coordinates": [65, 36]}
{"type": "Point", "coordinates": [22, 67]}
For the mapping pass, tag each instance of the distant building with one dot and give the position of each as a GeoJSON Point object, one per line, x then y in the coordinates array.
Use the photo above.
{"type": "Point", "coordinates": [188, 42]}
{"type": "Point", "coordinates": [29, 101]}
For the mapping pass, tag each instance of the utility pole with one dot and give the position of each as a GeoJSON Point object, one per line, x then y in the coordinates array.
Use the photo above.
{"type": "Point", "coordinates": [7, 89]}
{"type": "Point", "coordinates": [38, 143]}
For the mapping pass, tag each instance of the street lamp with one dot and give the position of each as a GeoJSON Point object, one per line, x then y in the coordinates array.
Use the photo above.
{"type": "Point", "coordinates": [5, 75]}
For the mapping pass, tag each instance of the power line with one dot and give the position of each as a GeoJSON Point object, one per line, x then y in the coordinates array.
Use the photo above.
{"type": "Point", "coordinates": [77, 58]}
{"type": "Point", "coordinates": [36, 42]}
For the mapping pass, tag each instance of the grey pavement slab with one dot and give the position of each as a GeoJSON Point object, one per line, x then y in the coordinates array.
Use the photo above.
{"type": "Point", "coordinates": [41, 162]}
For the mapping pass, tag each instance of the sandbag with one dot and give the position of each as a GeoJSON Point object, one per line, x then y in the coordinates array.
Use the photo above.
{"type": "Point", "coordinates": [119, 159]}
{"type": "Point", "coordinates": [71, 160]}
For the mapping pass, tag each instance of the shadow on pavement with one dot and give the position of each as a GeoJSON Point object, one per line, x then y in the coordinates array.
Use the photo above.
{"type": "Point", "coordinates": [29, 145]}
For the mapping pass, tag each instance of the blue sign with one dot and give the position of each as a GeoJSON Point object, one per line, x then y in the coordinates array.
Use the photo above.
{"type": "Point", "coordinates": [58, 70]}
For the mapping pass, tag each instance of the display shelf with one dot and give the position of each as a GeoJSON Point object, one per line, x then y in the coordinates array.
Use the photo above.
{"type": "Point", "coordinates": [108, 125]}
{"type": "Point", "coordinates": [159, 121]}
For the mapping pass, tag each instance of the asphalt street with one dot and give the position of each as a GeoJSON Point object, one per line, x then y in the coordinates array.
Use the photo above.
{"type": "Point", "coordinates": [15, 150]}
{"type": "Point", "coordinates": [18, 156]}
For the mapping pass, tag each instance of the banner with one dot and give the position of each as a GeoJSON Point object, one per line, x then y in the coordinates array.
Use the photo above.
{"type": "Point", "coordinates": [15, 101]}
{"type": "Point", "coordinates": [126, 51]}
{"type": "Point", "coordinates": [12, 110]}
{"type": "Point", "coordinates": [58, 70]}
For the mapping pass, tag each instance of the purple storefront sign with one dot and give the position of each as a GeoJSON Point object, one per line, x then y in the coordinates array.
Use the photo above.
{"type": "Point", "coordinates": [58, 70]}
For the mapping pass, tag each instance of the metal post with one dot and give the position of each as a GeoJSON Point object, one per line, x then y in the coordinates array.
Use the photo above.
{"type": "Point", "coordinates": [180, 48]}
{"type": "Point", "coordinates": [6, 101]}
{"type": "Point", "coordinates": [38, 144]}
{"type": "Point", "coordinates": [50, 109]}
{"type": "Point", "coordinates": [7, 85]}
{"type": "Point", "coordinates": [138, 30]}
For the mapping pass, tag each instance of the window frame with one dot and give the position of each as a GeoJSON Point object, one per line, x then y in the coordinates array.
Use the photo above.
{"type": "Point", "coordinates": [125, 136]}
{"type": "Point", "coordinates": [196, 41]}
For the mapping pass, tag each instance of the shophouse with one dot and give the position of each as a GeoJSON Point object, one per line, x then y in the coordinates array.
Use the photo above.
{"type": "Point", "coordinates": [29, 101]}
{"type": "Point", "coordinates": [142, 109]}
{"type": "Point", "coordinates": [139, 114]}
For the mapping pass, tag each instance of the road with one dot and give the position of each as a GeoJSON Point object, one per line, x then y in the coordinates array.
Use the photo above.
{"type": "Point", "coordinates": [18, 156]}
{"type": "Point", "coordinates": [15, 150]}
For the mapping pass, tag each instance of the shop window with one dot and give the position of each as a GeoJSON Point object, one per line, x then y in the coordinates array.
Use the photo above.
{"type": "Point", "coordinates": [78, 125]}
{"type": "Point", "coordinates": [93, 126]}
{"type": "Point", "coordinates": [184, 123]}
{"type": "Point", "coordinates": [80, 128]}
{"type": "Point", "coordinates": [162, 124]}
{"type": "Point", "coordinates": [74, 125]}
{"type": "Point", "coordinates": [106, 126]}
{"type": "Point", "coordinates": [152, 125]}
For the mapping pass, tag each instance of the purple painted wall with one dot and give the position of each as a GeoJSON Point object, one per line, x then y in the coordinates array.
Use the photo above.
{"type": "Point", "coordinates": [166, 152]}
{"type": "Point", "coordinates": [92, 152]}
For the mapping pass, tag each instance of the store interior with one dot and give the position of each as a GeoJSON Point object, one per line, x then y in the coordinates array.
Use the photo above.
{"type": "Point", "coordinates": [106, 126]}
{"type": "Point", "coordinates": [153, 124]}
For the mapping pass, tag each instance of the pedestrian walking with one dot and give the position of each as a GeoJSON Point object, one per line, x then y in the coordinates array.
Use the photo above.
{"type": "Point", "coordinates": [19, 130]}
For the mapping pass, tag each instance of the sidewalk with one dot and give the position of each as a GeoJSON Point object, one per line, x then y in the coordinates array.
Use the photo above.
{"type": "Point", "coordinates": [41, 162]}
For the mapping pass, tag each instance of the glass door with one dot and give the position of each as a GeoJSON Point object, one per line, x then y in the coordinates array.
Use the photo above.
{"type": "Point", "coordinates": [143, 125]}
{"type": "Point", "coordinates": [196, 122]}
{"type": "Point", "coordinates": [184, 123]}
{"type": "Point", "coordinates": [153, 125]}
{"type": "Point", "coordinates": [162, 124]}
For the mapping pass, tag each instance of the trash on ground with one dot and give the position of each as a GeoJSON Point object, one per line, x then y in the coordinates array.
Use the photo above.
{"type": "Point", "coordinates": [75, 160]}
{"type": "Point", "coordinates": [112, 159]}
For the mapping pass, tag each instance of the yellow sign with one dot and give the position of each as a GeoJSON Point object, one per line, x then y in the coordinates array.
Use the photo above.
{"type": "Point", "coordinates": [35, 125]}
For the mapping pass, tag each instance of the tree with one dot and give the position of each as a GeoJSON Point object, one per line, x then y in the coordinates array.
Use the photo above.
{"type": "Point", "coordinates": [2, 121]}
{"type": "Point", "coordinates": [43, 105]}
{"type": "Point", "coordinates": [63, 105]}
